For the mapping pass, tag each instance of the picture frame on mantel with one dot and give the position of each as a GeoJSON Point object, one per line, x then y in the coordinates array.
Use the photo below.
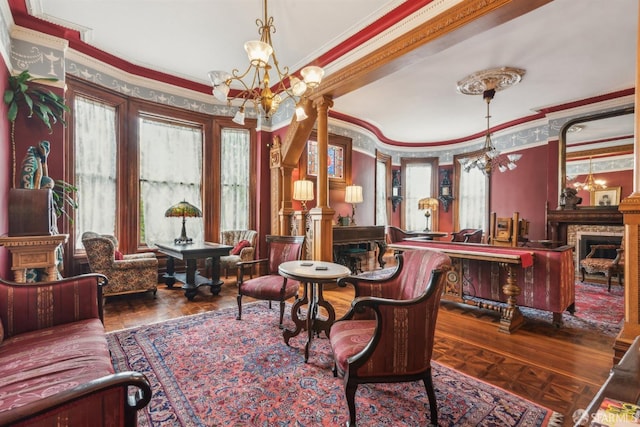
{"type": "Point", "coordinates": [609, 196]}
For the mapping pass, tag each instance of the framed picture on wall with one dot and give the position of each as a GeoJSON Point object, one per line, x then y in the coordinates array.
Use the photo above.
{"type": "Point", "coordinates": [609, 196]}
{"type": "Point", "coordinates": [338, 160]}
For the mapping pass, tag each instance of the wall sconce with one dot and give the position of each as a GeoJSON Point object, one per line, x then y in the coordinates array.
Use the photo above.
{"type": "Point", "coordinates": [396, 188]}
{"type": "Point", "coordinates": [183, 209]}
{"type": "Point", "coordinates": [427, 205]}
{"type": "Point", "coordinates": [445, 190]}
{"type": "Point", "coordinates": [353, 195]}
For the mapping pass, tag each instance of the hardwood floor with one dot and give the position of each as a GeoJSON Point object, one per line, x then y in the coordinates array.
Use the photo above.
{"type": "Point", "coordinates": [555, 367]}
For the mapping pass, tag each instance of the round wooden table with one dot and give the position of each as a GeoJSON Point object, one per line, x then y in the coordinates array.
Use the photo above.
{"type": "Point", "coordinates": [314, 274]}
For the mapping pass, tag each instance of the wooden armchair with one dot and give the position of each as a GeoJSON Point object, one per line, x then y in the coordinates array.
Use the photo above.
{"type": "Point", "coordinates": [271, 286]}
{"type": "Point", "coordinates": [607, 266]}
{"type": "Point", "coordinates": [396, 234]}
{"type": "Point", "coordinates": [467, 235]}
{"type": "Point", "coordinates": [388, 334]}
{"type": "Point", "coordinates": [127, 274]}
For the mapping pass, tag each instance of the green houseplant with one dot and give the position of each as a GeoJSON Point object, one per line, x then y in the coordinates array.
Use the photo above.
{"type": "Point", "coordinates": [45, 104]}
{"type": "Point", "coordinates": [22, 96]}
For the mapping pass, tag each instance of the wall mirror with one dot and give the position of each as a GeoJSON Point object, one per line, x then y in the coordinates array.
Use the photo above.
{"type": "Point", "coordinates": [600, 142]}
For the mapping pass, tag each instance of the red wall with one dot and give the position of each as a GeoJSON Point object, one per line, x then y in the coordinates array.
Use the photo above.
{"type": "Point", "coordinates": [524, 190]}
{"type": "Point", "coordinates": [5, 174]}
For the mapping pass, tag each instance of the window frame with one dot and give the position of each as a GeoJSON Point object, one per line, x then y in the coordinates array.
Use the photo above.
{"type": "Point", "coordinates": [127, 174]}
{"type": "Point", "coordinates": [434, 162]}
{"type": "Point", "coordinates": [386, 159]}
{"type": "Point", "coordinates": [457, 171]}
{"type": "Point", "coordinates": [336, 140]}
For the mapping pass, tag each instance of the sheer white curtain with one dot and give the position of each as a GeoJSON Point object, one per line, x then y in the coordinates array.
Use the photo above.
{"type": "Point", "coordinates": [95, 145]}
{"type": "Point", "coordinates": [381, 193]}
{"type": "Point", "coordinates": [234, 179]}
{"type": "Point", "coordinates": [472, 199]}
{"type": "Point", "coordinates": [170, 172]}
{"type": "Point", "coordinates": [417, 186]}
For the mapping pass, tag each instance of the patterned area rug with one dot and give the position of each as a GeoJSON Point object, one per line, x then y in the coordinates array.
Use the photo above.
{"type": "Point", "coordinates": [212, 370]}
{"type": "Point", "coordinates": [596, 310]}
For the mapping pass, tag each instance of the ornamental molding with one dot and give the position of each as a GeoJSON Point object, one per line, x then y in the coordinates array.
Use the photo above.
{"type": "Point", "coordinates": [499, 78]}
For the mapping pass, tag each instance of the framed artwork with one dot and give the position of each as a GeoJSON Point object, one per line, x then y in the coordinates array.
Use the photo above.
{"type": "Point", "coordinates": [609, 196]}
{"type": "Point", "coordinates": [338, 160]}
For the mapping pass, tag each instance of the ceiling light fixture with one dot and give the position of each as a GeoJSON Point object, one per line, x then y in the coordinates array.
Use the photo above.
{"type": "Point", "coordinates": [487, 82]}
{"type": "Point", "coordinates": [259, 92]}
{"type": "Point", "coordinates": [590, 184]}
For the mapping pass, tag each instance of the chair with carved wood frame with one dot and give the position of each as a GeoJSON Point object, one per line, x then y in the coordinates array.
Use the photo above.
{"type": "Point", "coordinates": [365, 341]}
{"type": "Point", "coordinates": [467, 235]}
{"type": "Point", "coordinates": [271, 286]}
{"type": "Point", "coordinates": [607, 266]}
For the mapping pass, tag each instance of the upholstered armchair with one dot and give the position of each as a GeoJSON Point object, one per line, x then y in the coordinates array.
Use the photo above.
{"type": "Point", "coordinates": [607, 266]}
{"type": "Point", "coordinates": [244, 248]}
{"type": "Point", "coordinates": [126, 273]}
{"type": "Point", "coordinates": [271, 286]}
{"type": "Point", "coordinates": [388, 334]}
{"type": "Point", "coordinates": [467, 235]}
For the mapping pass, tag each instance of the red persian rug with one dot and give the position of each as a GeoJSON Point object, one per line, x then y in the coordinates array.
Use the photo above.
{"type": "Point", "coordinates": [212, 370]}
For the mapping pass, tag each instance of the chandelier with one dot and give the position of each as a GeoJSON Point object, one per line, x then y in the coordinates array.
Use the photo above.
{"type": "Point", "coordinates": [590, 184]}
{"type": "Point", "coordinates": [488, 82]}
{"type": "Point", "coordinates": [254, 83]}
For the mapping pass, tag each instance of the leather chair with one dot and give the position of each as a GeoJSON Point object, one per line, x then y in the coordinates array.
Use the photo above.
{"type": "Point", "coordinates": [606, 266]}
{"type": "Point", "coordinates": [271, 286]}
{"type": "Point", "coordinates": [467, 235]}
{"type": "Point", "coordinates": [396, 234]}
{"type": "Point", "coordinates": [236, 238]}
{"type": "Point", "coordinates": [391, 316]}
{"type": "Point", "coordinates": [131, 274]}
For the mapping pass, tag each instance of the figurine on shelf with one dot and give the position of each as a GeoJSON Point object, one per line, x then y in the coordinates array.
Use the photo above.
{"type": "Point", "coordinates": [569, 198]}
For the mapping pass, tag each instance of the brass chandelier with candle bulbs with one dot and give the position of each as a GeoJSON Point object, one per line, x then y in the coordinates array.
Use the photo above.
{"type": "Point", "coordinates": [254, 84]}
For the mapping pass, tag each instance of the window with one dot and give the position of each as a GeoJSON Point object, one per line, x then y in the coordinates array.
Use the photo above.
{"type": "Point", "coordinates": [472, 197]}
{"type": "Point", "coordinates": [420, 177]}
{"type": "Point", "coordinates": [234, 179]}
{"type": "Point", "coordinates": [338, 160]}
{"type": "Point", "coordinates": [383, 183]}
{"type": "Point", "coordinates": [132, 159]}
{"type": "Point", "coordinates": [95, 148]}
{"type": "Point", "coordinates": [170, 171]}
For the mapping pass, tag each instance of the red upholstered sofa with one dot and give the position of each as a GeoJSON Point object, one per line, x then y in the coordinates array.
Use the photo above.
{"type": "Point", "coordinates": [549, 284]}
{"type": "Point", "coordinates": [55, 366]}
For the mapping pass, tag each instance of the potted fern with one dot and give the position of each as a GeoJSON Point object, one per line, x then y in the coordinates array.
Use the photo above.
{"type": "Point", "coordinates": [35, 212]}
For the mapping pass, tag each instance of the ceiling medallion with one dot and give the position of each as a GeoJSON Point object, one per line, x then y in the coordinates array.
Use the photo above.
{"type": "Point", "coordinates": [493, 78]}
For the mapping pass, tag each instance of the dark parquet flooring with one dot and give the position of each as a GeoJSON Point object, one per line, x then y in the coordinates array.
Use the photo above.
{"type": "Point", "coordinates": [559, 368]}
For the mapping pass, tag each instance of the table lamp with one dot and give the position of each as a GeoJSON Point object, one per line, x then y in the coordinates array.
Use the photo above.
{"type": "Point", "coordinates": [353, 195]}
{"type": "Point", "coordinates": [427, 204]}
{"type": "Point", "coordinates": [303, 192]}
{"type": "Point", "coordinates": [184, 210]}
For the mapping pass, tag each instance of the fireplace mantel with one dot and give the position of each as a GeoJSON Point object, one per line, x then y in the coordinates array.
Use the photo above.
{"type": "Point", "coordinates": [559, 220]}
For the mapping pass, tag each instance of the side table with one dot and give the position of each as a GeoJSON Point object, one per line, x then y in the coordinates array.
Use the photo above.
{"type": "Point", "coordinates": [314, 274]}
{"type": "Point", "coordinates": [34, 252]}
{"type": "Point", "coordinates": [190, 253]}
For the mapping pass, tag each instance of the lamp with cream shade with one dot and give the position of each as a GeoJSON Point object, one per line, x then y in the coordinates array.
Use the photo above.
{"type": "Point", "coordinates": [353, 195]}
{"type": "Point", "coordinates": [427, 204]}
{"type": "Point", "coordinates": [303, 192]}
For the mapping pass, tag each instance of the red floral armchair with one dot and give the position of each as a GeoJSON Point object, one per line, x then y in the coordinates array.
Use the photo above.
{"type": "Point", "coordinates": [126, 273]}
{"type": "Point", "coordinates": [388, 334]}
{"type": "Point", "coordinates": [271, 286]}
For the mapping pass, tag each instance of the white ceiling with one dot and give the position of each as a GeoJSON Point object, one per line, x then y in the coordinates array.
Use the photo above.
{"type": "Point", "coordinates": [570, 49]}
